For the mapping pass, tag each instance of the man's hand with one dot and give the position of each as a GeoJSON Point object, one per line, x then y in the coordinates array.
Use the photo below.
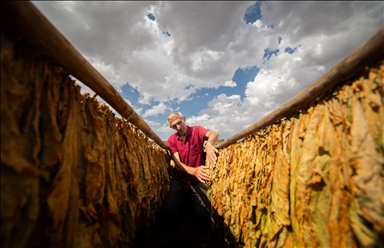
{"type": "Point", "coordinates": [200, 173]}
{"type": "Point", "coordinates": [211, 152]}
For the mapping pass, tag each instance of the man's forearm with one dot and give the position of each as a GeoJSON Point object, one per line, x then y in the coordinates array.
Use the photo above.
{"type": "Point", "coordinates": [212, 138]}
{"type": "Point", "coordinates": [179, 165]}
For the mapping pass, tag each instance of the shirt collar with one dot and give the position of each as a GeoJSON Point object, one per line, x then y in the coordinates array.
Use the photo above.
{"type": "Point", "coordinates": [188, 133]}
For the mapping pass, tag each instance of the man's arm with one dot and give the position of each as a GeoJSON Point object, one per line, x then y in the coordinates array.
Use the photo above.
{"type": "Point", "coordinates": [209, 146]}
{"type": "Point", "coordinates": [200, 172]}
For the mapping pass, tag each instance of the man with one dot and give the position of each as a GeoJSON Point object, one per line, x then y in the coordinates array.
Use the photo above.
{"type": "Point", "coordinates": [189, 147]}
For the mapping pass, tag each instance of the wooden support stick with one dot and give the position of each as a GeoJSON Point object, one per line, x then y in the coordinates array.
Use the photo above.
{"type": "Point", "coordinates": [368, 52]}
{"type": "Point", "coordinates": [23, 18]}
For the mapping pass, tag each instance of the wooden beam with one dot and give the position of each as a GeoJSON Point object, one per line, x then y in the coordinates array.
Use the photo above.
{"type": "Point", "coordinates": [23, 18]}
{"type": "Point", "coordinates": [368, 52]}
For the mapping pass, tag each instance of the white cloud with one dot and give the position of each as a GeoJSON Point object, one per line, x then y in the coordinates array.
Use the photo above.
{"type": "Point", "coordinates": [208, 42]}
{"type": "Point", "coordinates": [156, 110]}
{"type": "Point", "coordinates": [230, 84]}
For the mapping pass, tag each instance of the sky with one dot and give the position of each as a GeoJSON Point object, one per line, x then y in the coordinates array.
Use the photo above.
{"type": "Point", "coordinates": [224, 65]}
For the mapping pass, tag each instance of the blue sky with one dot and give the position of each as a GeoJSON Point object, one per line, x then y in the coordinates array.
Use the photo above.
{"type": "Point", "coordinates": [223, 64]}
{"type": "Point", "coordinates": [200, 99]}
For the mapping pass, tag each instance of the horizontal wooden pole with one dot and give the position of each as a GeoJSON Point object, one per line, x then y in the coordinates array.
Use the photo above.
{"type": "Point", "coordinates": [23, 18]}
{"type": "Point", "coordinates": [368, 52]}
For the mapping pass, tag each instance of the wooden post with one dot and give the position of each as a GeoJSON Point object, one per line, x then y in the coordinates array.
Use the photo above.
{"type": "Point", "coordinates": [23, 18]}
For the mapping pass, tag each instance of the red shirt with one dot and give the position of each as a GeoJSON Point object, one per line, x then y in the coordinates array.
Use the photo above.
{"type": "Point", "coordinates": [191, 151]}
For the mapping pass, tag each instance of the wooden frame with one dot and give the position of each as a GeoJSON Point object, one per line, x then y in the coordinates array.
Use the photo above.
{"type": "Point", "coordinates": [23, 18]}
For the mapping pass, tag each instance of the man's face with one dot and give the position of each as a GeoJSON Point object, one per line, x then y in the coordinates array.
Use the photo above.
{"type": "Point", "coordinates": [178, 124]}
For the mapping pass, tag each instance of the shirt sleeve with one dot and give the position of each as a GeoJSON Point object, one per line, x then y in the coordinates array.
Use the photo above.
{"type": "Point", "coordinates": [202, 132]}
{"type": "Point", "coordinates": [171, 144]}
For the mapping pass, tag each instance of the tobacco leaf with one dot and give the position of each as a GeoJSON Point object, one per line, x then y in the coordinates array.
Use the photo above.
{"type": "Point", "coordinates": [312, 180]}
